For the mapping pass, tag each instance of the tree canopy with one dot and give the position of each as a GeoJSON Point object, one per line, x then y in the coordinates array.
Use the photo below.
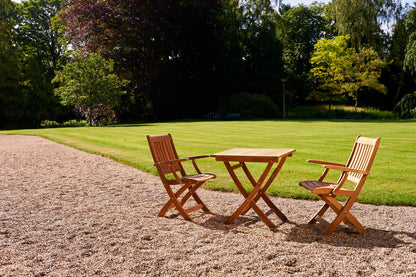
{"type": "Point", "coordinates": [362, 20]}
{"type": "Point", "coordinates": [188, 58]}
{"type": "Point", "coordinates": [89, 84]}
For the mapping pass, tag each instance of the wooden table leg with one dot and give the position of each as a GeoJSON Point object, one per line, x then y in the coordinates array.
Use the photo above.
{"type": "Point", "coordinates": [248, 202]}
{"type": "Point", "coordinates": [262, 192]}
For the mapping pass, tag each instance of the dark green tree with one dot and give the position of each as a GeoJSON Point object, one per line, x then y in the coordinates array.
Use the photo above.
{"type": "Point", "coordinates": [398, 81]}
{"type": "Point", "coordinates": [251, 53]}
{"type": "Point", "coordinates": [38, 37]}
{"type": "Point", "coordinates": [39, 53]}
{"type": "Point", "coordinates": [262, 50]}
{"type": "Point", "coordinates": [299, 29]}
{"type": "Point", "coordinates": [11, 100]}
{"type": "Point", "coordinates": [168, 49]}
{"type": "Point", "coordinates": [36, 90]}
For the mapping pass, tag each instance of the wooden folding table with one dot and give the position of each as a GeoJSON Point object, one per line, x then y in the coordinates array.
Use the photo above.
{"type": "Point", "coordinates": [243, 155]}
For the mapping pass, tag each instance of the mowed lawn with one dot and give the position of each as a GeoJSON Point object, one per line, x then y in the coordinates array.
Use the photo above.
{"type": "Point", "coordinates": [392, 180]}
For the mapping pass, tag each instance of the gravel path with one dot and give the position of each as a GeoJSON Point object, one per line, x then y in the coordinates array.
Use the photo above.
{"type": "Point", "coordinates": [64, 212]}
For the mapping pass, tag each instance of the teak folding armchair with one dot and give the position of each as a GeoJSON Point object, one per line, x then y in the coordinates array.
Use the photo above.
{"type": "Point", "coordinates": [171, 172]}
{"type": "Point", "coordinates": [356, 171]}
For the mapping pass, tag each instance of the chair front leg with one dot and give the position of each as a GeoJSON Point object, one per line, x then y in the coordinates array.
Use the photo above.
{"type": "Point", "coordinates": [343, 214]}
{"type": "Point", "coordinates": [199, 201]}
{"type": "Point", "coordinates": [173, 200]}
{"type": "Point", "coordinates": [192, 192]}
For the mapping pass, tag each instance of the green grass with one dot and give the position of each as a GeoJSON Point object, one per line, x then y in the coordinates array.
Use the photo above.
{"type": "Point", "coordinates": [392, 180]}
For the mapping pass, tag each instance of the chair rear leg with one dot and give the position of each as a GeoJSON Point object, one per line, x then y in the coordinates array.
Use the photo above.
{"type": "Point", "coordinates": [192, 192]}
{"type": "Point", "coordinates": [320, 213]}
{"type": "Point", "coordinates": [199, 201]}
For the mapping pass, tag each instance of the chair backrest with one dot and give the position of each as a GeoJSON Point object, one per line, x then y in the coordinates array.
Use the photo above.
{"type": "Point", "coordinates": [362, 157]}
{"type": "Point", "coordinates": [163, 149]}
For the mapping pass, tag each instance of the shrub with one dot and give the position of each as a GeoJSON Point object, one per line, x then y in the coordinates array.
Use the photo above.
{"type": "Point", "coordinates": [70, 123]}
{"type": "Point", "coordinates": [406, 108]}
{"type": "Point", "coordinates": [249, 106]}
{"type": "Point", "coordinates": [49, 124]}
{"type": "Point", "coordinates": [75, 123]}
{"type": "Point", "coordinates": [339, 112]}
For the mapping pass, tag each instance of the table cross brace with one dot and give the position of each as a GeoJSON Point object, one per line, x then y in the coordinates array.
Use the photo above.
{"type": "Point", "coordinates": [259, 191]}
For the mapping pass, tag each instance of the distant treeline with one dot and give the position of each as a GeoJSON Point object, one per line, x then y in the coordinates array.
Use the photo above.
{"type": "Point", "coordinates": [193, 58]}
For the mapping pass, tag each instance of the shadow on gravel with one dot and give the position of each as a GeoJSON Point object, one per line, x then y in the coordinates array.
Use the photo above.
{"type": "Point", "coordinates": [348, 237]}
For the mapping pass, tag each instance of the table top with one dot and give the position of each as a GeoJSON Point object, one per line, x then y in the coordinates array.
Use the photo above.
{"type": "Point", "coordinates": [252, 154]}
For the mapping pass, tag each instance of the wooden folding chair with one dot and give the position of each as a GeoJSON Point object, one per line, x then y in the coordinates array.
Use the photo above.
{"type": "Point", "coordinates": [171, 172]}
{"type": "Point", "coordinates": [356, 171]}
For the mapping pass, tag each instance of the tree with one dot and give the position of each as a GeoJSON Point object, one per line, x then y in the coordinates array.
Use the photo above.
{"type": "Point", "coordinates": [11, 100]}
{"type": "Point", "coordinates": [250, 54]}
{"type": "Point", "coordinates": [396, 79]}
{"type": "Point", "coordinates": [38, 37]}
{"type": "Point", "coordinates": [36, 88]}
{"type": "Point", "coordinates": [340, 70]}
{"type": "Point", "coordinates": [410, 56]}
{"type": "Point", "coordinates": [180, 55]}
{"type": "Point", "coordinates": [89, 84]}
{"type": "Point", "coordinates": [168, 49]}
{"type": "Point", "coordinates": [362, 20]}
{"type": "Point", "coordinates": [365, 73]}
{"type": "Point", "coordinates": [261, 49]}
{"type": "Point", "coordinates": [38, 54]}
{"type": "Point", "coordinates": [330, 62]}
{"type": "Point", "coordinates": [299, 29]}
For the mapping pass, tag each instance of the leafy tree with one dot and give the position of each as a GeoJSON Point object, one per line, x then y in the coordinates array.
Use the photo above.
{"type": "Point", "coordinates": [410, 56]}
{"type": "Point", "coordinates": [250, 53]}
{"type": "Point", "coordinates": [40, 103]}
{"type": "Point", "coordinates": [11, 106]}
{"type": "Point", "coordinates": [299, 29]}
{"type": "Point", "coordinates": [340, 70]}
{"type": "Point", "coordinates": [331, 61]}
{"type": "Point", "coordinates": [33, 55]}
{"type": "Point", "coordinates": [365, 73]}
{"type": "Point", "coordinates": [89, 84]}
{"type": "Point", "coordinates": [231, 36]}
{"type": "Point", "coordinates": [261, 49]}
{"type": "Point", "coordinates": [167, 48]}
{"type": "Point", "coordinates": [38, 37]}
{"type": "Point", "coordinates": [362, 20]}
{"type": "Point", "coordinates": [395, 78]}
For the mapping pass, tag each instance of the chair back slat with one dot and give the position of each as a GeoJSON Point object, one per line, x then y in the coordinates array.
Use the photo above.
{"type": "Point", "coordinates": [362, 157]}
{"type": "Point", "coordinates": [163, 149]}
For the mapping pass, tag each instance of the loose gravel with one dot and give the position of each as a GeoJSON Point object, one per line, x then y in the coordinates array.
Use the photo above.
{"type": "Point", "coordinates": [64, 212]}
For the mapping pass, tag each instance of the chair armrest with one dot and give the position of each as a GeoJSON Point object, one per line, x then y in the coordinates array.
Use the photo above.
{"type": "Point", "coordinates": [348, 169]}
{"type": "Point", "coordinates": [193, 158]}
{"type": "Point", "coordinates": [173, 161]}
{"type": "Point", "coordinates": [183, 159]}
{"type": "Point", "coordinates": [199, 157]}
{"type": "Point", "coordinates": [194, 163]}
{"type": "Point", "coordinates": [323, 162]}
